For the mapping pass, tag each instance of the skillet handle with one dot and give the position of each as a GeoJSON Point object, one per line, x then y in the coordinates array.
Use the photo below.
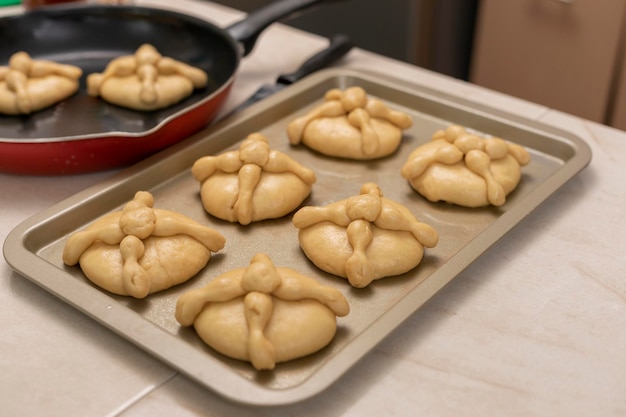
{"type": "Point", "coordinates": [338, 46]}
{"type": "Point", "coordinates": [248, 30]}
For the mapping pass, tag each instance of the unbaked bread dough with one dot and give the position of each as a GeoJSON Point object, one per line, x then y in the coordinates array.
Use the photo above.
{"type": "Point", "coordinates": [364, 237]}
{"type": "Point", "coordinates": [465, 169]}
{"type": "Point", "coordinates": [146, 80]}
{"type": "Point", "coordinates": [141, 250]}
{"type": "Point", "coordinates": [252, 183]}
{"type": "Point", "coordinates": [263, 314]}
{"type": "Point", "coordinates": [350, 125]}
{"type": "Point", "coordinates": [28, 85]}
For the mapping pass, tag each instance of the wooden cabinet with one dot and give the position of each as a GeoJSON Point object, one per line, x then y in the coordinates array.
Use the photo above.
{"type": "Point", "coordinates": [618, 106]}
{"type": "Point", "coordinates": [565, 54]}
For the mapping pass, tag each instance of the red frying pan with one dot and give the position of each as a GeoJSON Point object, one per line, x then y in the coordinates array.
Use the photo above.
{"type": "Point", "coordinates": [85, 134]}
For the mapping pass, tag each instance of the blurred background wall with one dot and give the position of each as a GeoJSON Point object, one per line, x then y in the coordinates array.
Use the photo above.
{"type": "Point", "coordinates": [565, 54]}
{"type": "Point", "coordinates": [434, 34]}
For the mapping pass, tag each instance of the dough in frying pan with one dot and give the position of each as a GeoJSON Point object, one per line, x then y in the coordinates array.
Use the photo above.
{"type": "Point", "coordinates": [146, 80]}
{"type": "Point", "coordinates": [465, 169]}
{"type": "Point", "coordinates": [263, 314]}
{"type": "Point", "coordinates": [141, 250]}
{"type": "Point", "coordinates": [28, 85]}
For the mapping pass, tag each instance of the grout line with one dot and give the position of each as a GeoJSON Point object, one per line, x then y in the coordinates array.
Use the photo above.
{"type": "Point", "coordinates": [139, 396]}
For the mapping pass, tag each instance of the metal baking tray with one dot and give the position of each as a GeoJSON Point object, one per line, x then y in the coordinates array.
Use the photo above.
{"type": "Point", "coordinates": [34, 247]}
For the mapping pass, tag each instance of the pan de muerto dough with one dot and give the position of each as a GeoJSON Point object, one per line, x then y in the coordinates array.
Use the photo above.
{"type": "Point", "coordinates": [465, 169]}
{"type": "Point", "coordinates": [350, 125]}
{"type": "Point", "coordinates": [146, 80]}
{"type": "Point", "coordinates": [252, 183]}
{"type": "Point", "coordinates": [364, 237]}
{"type": "Point", "coordinates": [28, 85]}
{"type": "Point", "coordinates": [263, 314]}
{"type": "Point", "coordinates": [141, 250]}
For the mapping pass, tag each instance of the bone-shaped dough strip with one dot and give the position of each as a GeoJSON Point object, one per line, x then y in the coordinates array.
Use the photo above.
{"type": "Point", "coordinates": [440, 151]}
{"type": "Point", "coordinates": [358, 268]}
{"type": "Point", "coordinates": [134, 280]}
{"type": "Point", "coordinates": [295, 129]}
{"type": "Point", "coordinates": [258, 308]}
{"type": "Point", "coordinates": [378, 109]}
{"type": "Point", "coordinates": [479, 162]}
{"type": "Point", "coordinates": [369, 138]}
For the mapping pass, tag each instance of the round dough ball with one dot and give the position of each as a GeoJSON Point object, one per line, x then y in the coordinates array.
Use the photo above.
{"type": "Point", "coordinates": [456, 184]}
{"type": "Point", "coordinates": [364, 237]}
{"type": "Point", "coordinates": [465, 169]}
{"type": "Point", "coordinates": [263, 314]}
{"type": "Point", "coordinates": [296, 329]}
{"type": "Point", "coordinates": [126, 92]}
{"type": "Point", "coordinates": [43, 93]}
{"type": "Point", "coordinates": [349, 124]}
{"type": "Point", "coordinates": [140, 250]}
{"type": "Point", "coordinates": [146, 80]}
{"type": "Point", "coordinates": [390, 253]}
{"type": "Point", "coordinates": [275, 196]}
{"type": "Point", "coordinates": [252, 183]}
{"type": "Point", "coordinates": [167, 261]}
{"type": "Point", "coordinates": [335, 136]}
{"type": "Point", "coordinates": [28, 85]}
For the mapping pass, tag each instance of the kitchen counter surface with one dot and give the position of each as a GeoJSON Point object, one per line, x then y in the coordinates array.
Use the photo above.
{"type": "Point", "coordinates": [535, 327]}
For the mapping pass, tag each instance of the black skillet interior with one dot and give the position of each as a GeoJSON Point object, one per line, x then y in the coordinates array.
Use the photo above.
{"type": "Point", "coordinates": [90, 37]}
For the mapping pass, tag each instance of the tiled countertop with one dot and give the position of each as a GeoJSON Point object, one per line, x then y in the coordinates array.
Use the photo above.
{"type": "Point", "coordinates": [535, 327]}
